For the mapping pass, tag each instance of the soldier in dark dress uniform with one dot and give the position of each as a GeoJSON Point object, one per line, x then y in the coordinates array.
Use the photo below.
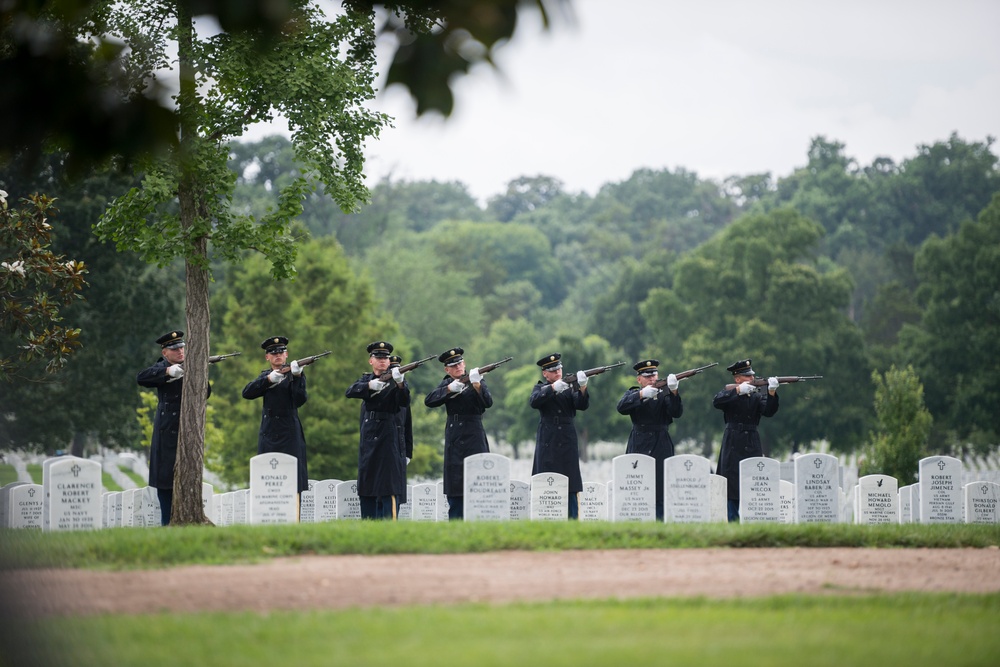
{"type": "Point", "coordinates": [405, 418]}
{"type": "Point", "coordinates": [464, 434]}
{"type": "Point", "coordinates": [381, 463]}
{"type": "Point", "coordinates": [167, 377]}
{"type": "Point", "coordinates": [556, 448]}
{"type": "Point", "coordinates": [284, 391]}
{"type": "Point", "coordinates": [742, 407]}
{"type": "Point", "coordinates": [652, 410]}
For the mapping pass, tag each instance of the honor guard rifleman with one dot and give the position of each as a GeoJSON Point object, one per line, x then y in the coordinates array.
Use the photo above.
{"type": "Point", "coordinates": [652, 410]}
{"type": "Point", "coordinates": [464, 434]}
{"type": "Point", "coordinates": [381, 463]}
{"type": "Point", "coordinates": [283, 388]}
{"type": "Point", "coordinates": [167, 377]}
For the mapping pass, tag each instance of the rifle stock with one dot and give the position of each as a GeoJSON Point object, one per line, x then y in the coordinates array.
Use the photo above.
{"type": "Point", "coordinates": [405, 368]}
{"type": "Point", "coordinates": [591, 372]}
{"type": "Point", "coordinates": [662, 382]}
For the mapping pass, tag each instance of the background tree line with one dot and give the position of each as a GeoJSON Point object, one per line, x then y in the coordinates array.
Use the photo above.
{"type": "Point", "coordinates": [837, 269]}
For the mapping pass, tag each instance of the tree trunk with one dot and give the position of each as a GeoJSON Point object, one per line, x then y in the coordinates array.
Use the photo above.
{"type": "Point", "coordinates": [189, 465]}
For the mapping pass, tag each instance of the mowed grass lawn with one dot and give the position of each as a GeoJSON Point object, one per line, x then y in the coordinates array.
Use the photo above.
{"type": "Point", "coordinates": [899, 629]}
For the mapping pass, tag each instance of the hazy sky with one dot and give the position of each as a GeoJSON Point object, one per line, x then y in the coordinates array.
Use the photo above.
{"type": "Point", "coordinates": [718, 87]}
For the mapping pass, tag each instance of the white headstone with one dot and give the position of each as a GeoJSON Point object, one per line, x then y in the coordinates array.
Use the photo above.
{"type": "Point", "coordinates": [549, 497]}
{"type": "Point", "coordinates": [348, 501]}
{"type": "Point", "coordinates": [520, 500]}
{"type": "Point", "coordinates": [905, 504]}
{"type": "Point", "coordinates": [442, 503]}
{"type": "Point", "coordinates": [241, 507]}
{"type": "Point", "coordinates": [941, 491]}
{"type": "Point", "coordinates": [486, 488]}
{"type": "Point", "coordinates": [227, 508]}
{"type": "Point", "coordinates": [106, 509]}
{"type": "Point", "coordinates": [25, 503]}
{"type": "Point", "coordinates": [274, 489]}
{"type": "Point", "coordinates": [594, 502]}
{"type": "Point", "coordinates": [116, 509]}
{"type": "Point", "coordinates": [6, 512]}
{"type": "Point", "coordinates": [307, 503]}
{"type": "Point", "coordinates": [634, 479]}
{"type": "Point", "coordinates": [817, 489]}
{"type": "Point", "coordinates": [425, 501]}
{"type": "Point", "coordinates": [128, 508]}
{"type": "Point", "coordinates": [760, 490]}
{"type": "Point", "coordinates": [915, 503]}
{"type": "Point", "coordinates": [981, 502]}
{"type": "Point", "coordinates": [325, 500]}
{"type": "Point", "coordinates": [718, 502]}
{"type": "Point", "coordinates": [151, 506]}
{"type": "Point", "coordinates": [405, 510]}
{"type": "Point", "coordinates": [786, 501]}
{"type": "Point", "coordinates": [208, 502]}
{"type": "Point", "coordinates": [75, 493]}
{"type": "Point", "coordinates": [877, 500]}
{"type": "Point", "coordinates": [686, 490]}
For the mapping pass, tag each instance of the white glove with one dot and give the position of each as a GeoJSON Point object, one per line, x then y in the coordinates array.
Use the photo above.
{"type": "Point", "coordinates": [456, 387]}
{"type": "Point", "coordinates": [296, 369]}
{"type": "Point", "coordinates": [648, 392]}
{"type": "Point", "coordinates": [744, 388]}
{"type": "Point", "coordinates": [407, 460]}
{"type": "Point", "coordinates": [672, 382]}
{"type": "Point", "coordinates": [560, 386]}
{"type": "Point", "coordinates": [274, 377]}
{"type": "Point", "coordinates": [175, 371]}
{"type": "Point", "coordinates": [397, 377]}
{"type": "Point", "coordinates": [475, 377]}
{"type": "Point", "coordinates": [772, 384]}
{"type": "Point", "coordinates": [582, 379]}
{"type": "Point", "coordinates": [376, 385]}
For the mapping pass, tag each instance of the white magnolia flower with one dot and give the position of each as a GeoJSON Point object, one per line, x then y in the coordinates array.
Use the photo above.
{"type": "Point", "coordinates": [3, 198]}
{"type": "Point", "coordinates": [16, 267]}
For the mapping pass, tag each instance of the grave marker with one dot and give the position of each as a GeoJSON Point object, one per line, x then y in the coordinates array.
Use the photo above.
{"type": "Point", "coordinates": [486, 488]}
{"type": "Point", "coordinates": [634, 480]}
{"type": "Point", "coordinates": [760, 490]}
{"type": "Point", "coordinates": [686, 490]}
{"type": "Point", "coordinates": [274, 486]}
{"type": "Point", "coordinates": [549, 497]}
{"type": "Point", "coordinates": [817, 490]}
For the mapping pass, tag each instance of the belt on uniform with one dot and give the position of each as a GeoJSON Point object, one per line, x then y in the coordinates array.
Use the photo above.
{"type": "Point", "coordinates": [465, 418]}
{"type": "Point", "coordinates": [649, 428]}
{"type": "Point", "coordinates": [379, 416]}
{"type": "Point", "coordinates": [273, 412]}
{"type": "Point", "coordinates": [734, 426]}
{"type": "Point", "coordinates": [564, 421]}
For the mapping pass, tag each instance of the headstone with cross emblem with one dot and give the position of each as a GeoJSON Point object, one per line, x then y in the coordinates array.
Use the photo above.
{"type": "Point", "coordinates": [981, 502]}
{"type": "Point", "coordinates": [307, 503]}
{"type": "Point", "coordinates": [905, 504]}
{"type": "Point", "coordinates": [877, 500]}
{"type": "Point", "coordinates": [74, 494]}
{"type": "Point", "coordinates": [760, 490]}
{"type": "Point", "coordinates": [549, 497]}
{"type": "Point", "coordinates": [686, 490]}
{"type": "Point", "coordinates": [486, 487]}
{"type": "Point", "coordinates": [325, 491]}
{"type": "Point", "coordinates": [634, 479]}
{"type": "Point", "coordinates": [5, 509]}
{"type": "Point", "coordinates": [348, 501]}
{"type": "Point", "coordinates": [274, 489]}
{"type": "Point", "coordinates": [817, 489]}
{"type": "Point", "coordinates": [25, 503]}
{"type": "Point", "coordinates": [941, 492]}
{"type": "Point", "coordinates": [424, 499]}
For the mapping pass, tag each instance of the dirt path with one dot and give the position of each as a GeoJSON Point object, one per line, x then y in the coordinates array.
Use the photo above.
{"type": "Point", "coordinates": [336, 582]}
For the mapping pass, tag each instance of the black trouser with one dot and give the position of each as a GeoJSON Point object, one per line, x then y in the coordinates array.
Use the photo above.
{"type": "Point", "coordinates": [166, 498]}
{"type": "Point", "coordinates": [378, 507]}
{"type": "Point", "coordinates": [456, 508]}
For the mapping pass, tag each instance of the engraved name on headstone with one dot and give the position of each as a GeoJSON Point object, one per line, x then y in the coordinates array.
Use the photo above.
{"type": "Point", "coordinates": [686, 489]}
{"type": "Point", "coordinates": [634, 479]}
{"type": "Point", "coordinates": [905, 504]}
{"type": "Point", "coordinates": [981, 502]}
{"type": "Point", "coordinates": [549, 497]}
{"type": "Point", "coordinates": [151, 507]}
{"type": "Point", "coordinates": [405, 510]}
{"type": "Point", "coordinates": [786, 501]}
{"type": "Point", "coordinates": [274, 486]}
{"type": "Point", "coordinates": [817, 490]}
{"type": "Point", "coordinates": [594, 502]}
{"type": "Point", "coordinates": [25, 503]}
{"type": "Point", "coordinates": [760, 490]}
{"type": "Point", "coordinates": [325, 492]}
{"type": "Point", "coordinates": [877, 500]}
{"type": "Point", "coordinates": [520, 500]}
{"type": "Point", "coordinates": [75, 494]}
{"type": "Point", "coordinates": [348, 501]}
{"type": "Point", "coordinates": [487, 488]}
{"type": "Point", "coordinates": [424, 498]}
{"type": "Point", "coordinates": [941, 492]}
{"type": "Point", "coordinates": [307, 503]}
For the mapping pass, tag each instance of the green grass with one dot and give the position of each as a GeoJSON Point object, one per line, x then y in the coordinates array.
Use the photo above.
{"type": "Point", "coordinates": [161, 547]}
{"type": "Point", "coordinates": [905, 629]}
{"type": "Point", "coordinates": [138, 479]}
{"type": "Point", "coordinates": [109, 482]}
{"type": "Point", "coordinates": [7, 474]}
{"type": "Point", "coordinates": [35, 470]}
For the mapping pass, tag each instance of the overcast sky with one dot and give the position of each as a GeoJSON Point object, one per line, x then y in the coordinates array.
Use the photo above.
{"type": "Point", "coordinates": [718, 87]}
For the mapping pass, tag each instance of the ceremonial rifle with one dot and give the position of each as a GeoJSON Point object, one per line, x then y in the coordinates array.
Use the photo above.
{"type": "Point", "coordinates": [662, 382]}
{"type": "Point", "coordinates": [591, 372]}
{"type": "Point", "coordinates": [216, 358]}
{"type": "Point", "coordinates": [405, 368]}
{"type": "Point", "coordinates": [304, 362]}
{"type": "Point", "coordinates": [782, 379]}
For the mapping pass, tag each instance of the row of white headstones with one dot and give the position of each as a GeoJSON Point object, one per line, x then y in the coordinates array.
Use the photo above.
{"type": "Point", "coordinates": [71, 496]}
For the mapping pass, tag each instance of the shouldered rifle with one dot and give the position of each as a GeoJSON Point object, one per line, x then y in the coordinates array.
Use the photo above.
{"type": "Point", "coordinates": [485, 369]}
{"type": "Point", "coordinates": [782, 379]}
{"type": "Point", "coordinates": [305, 361]}
{"type": "Point", "coordinates": [405, 368]}
{"type": "Point", "coordinates": [662, 382]}
{"type": "Point", "coordinates": [216, 358]}
{"type": "Point", "coordinates": [591, 372]}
